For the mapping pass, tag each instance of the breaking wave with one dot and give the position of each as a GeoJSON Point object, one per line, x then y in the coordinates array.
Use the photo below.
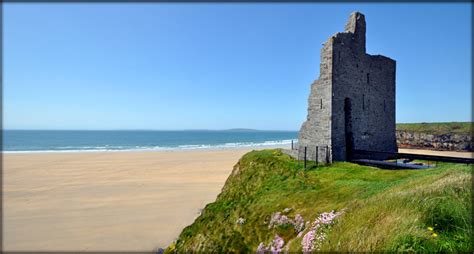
{"type": "Point", "coordinates": [106, 148]}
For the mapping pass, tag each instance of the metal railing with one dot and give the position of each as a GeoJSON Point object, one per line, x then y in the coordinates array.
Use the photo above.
{"type": "Point", "coordinates": [312, 155]}
{"type": "Point", "coordinates": [294, 144]}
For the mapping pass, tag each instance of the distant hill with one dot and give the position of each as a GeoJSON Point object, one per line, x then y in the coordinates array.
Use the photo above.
{"type": "Point", "coordinates": [437, 128]}
{"type": "Point", "coordinates": [242, 130]}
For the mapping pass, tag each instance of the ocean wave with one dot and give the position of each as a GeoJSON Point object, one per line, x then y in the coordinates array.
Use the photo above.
{"type": "Point", "coordinates": [109, 148]}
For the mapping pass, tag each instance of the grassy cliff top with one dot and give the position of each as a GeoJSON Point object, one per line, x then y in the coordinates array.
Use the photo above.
{"type": "Point", "coordinates": [383, 210]}
{"type": "Point", "coordinates": [437, 128]}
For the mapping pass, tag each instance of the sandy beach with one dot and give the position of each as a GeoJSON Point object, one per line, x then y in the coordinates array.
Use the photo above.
{"type": "Point", "coordinates": [110, 201]}
{"type": "Point", "coordinates": [107, 201]}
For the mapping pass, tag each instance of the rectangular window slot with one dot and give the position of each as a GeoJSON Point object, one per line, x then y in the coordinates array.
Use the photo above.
{"type": "Point", "coordinates": [321, 103]}
{"type": "Point", "coordinates": [363, 102]}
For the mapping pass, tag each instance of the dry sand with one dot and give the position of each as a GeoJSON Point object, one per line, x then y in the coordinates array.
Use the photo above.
{"type": "Point", "coordinates": [438, 153]}
{"type": "Point", "coordinates": [107, 201]}
{"type": "Point", "coordinates": [110, 201]}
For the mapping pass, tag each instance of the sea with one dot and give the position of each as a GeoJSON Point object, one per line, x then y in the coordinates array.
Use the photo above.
{"type": "Point", "coordinates": [33, 141]}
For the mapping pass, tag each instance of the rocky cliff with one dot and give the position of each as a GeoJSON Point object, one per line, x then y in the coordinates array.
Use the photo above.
{"type": "Point", "coordinates": [443, 142]}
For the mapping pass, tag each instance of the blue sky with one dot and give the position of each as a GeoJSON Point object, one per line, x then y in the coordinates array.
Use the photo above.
{"type": "Point", "coordinates": [217, 66]}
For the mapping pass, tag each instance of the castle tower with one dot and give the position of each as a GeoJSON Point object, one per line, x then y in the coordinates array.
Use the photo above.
{"type": "Point", "coordinates": [352, 104]}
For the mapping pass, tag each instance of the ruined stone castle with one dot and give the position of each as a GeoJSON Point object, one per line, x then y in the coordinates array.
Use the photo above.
{"type": "Point", "coordinates": [352, 104]}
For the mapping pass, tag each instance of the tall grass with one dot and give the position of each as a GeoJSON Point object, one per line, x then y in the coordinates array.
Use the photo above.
{"type": "Point", "coordinates": [385, 210]}
{"type": "Point", "coordinates": [437, 128]}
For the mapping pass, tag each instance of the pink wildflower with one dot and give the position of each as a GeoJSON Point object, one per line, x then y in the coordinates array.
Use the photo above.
{"type": "Point", "coordinates": [277, 244]}
{"type": "Point", "coordinates": [299, 223]}
{"type": "Point", "coordinates": [308, 240]}
{"type": "Point", "coordinates": [261, 249]}
{"type": "Point", "coordinates": [314, 238]}
{"type": "Point", "coordinates": [278, 219]}
{"type": "Point", "coordinates": [326, 218]}
{"type": "Point", "coordinates": [274, 219]}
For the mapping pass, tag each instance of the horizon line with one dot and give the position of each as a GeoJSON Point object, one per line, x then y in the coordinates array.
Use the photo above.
{"type": "Point", "coordinates": [229, 129]}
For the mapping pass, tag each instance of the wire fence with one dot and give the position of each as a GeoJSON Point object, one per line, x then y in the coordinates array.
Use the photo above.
{"type": "Point", "coordinates": [312, 155]}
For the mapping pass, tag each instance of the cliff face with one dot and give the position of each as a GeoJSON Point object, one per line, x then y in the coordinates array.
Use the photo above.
{"type": "Point", "coordinates": [443, 142]}
{"type": "Point", "coordinates": [269, 204]}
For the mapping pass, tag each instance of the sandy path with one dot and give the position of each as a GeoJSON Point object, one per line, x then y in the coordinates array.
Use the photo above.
{"type": "Point", "coordinates": [438, 153]}
{"type": "Point", "coordinates": [127, 201]}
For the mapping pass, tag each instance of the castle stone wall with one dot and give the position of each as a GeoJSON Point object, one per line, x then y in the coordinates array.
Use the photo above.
{"type": "Point", "coordinates": [316, 130]}
{"type": "Point", "coordinates": [357, 91]}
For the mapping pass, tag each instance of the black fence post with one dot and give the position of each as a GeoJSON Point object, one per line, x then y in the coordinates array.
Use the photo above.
{"type": "Point", "coordinates": [317, 157]}
{"type": "Point", "coordinates": [292, 144]}
{"type": "Point", "coordinates": [327, 154]}
{"type": "Point", "coordinates": [305, 157]}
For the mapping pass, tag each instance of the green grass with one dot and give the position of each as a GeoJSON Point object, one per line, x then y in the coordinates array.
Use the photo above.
{"type": "Point", "coordinates": [437, 128]}
{"type": "Point", "coordinates": [386, 210]}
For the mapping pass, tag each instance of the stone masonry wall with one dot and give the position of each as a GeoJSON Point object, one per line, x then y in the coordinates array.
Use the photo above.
{"type": "Point", "coordinates": [316, 130]}
{"type": "Point", "coordinates": [349, 76]}
{"type": "Point", "coordinates": [368, 83]}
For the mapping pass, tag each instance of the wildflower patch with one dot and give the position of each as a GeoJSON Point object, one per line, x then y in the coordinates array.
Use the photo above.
{"type": "Point", "coordinates": [275, 246]}
{"type": "Point", "coordinates": [314, 238]}
{"type": "Point", "coordinates": [280, 220]}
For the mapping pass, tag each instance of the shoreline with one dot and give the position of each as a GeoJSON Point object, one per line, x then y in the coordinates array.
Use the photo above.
{"type": "Point", "coordinates": [164, 149]}
{"type": "Point", "coordinates": [415, 150]}
{"type": "Point", "coordinates": [108, 201]}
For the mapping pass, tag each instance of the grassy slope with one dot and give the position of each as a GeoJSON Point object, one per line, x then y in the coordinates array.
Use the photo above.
{"type": "Point", "coordinates": [386, 209]}
{"type": "Point", "coordinates": [437, 128]}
